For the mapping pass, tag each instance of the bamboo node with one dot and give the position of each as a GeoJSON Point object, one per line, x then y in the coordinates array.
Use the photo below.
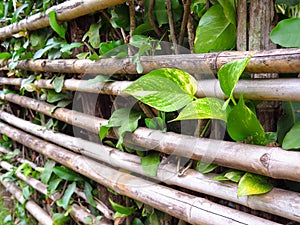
{"type": "Point", "coordinates": [265, 159]}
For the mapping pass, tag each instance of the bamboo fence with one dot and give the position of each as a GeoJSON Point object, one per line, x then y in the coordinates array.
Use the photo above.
{"type": "Point", "coordinates": [33, 208]}
{"type": "Point", "coordinates": [77, 212]}
{"type": "Point", "coordinates": [270, 161]}
{"type": "Point", "coordinates": [192, 209]}
{"type": "Point", "coordinates": [279, 61]}
{"type": "Point", "coordinates": [274, 202]}
{"type": "Point", "coordinates": [65, 11]}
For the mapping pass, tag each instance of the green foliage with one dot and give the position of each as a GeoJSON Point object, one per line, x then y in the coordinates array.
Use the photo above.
{"type": "Point", "coordinates": [120, 17]}
{"type": "Point", "coordinates": [59, 29]}
{"type": "Point", "coordinates": [216, 30]}
{"type": "Point", "coordinates": [66, 173]}
{"type": "Point", "coordinates": [286, 33]}
{"type": "Point", "coordinates": [204, 167]}
{"type": "Point", "coordinates": [291, 140]}
{"type": "Point", "coordinates": [48, 168]}
{"type": "Point", "coordinates": [122, 211]}
{"type": "Point", "coordinates": [94, 35]}
{"type": "Point", "coordinates": [88, 193]}
{"type": "Point", "coordinates": [150, 163]}
{"type": "Point", "coordinates": [164, 89]}
{"type": "Point", "coordinates": [288, 2]}
{"type": "Point", "coordinates": [65, 200]}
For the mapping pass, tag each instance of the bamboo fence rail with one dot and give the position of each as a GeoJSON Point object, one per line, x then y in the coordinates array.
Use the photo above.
{"type": "Point", "coordinates": [270, 161]}
{"type": "Point", "coordinates": [278, 61]}
{"type": "Point", "coordinates": [80, 214]}
{"type": "Point", "coordinates": [260, 89]}
{"type": "Point", "coordinates": [33, 208]}
{"type": "Point", "coordinates": [274, 202]}
{"type": "Point", "coordinates": [65, 11]}
{"type": "Point", "coordinates": [192, 209]}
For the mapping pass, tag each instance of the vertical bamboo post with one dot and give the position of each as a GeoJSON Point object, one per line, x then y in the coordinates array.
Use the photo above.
{"type": "Point", "coordinates": [260, 25]}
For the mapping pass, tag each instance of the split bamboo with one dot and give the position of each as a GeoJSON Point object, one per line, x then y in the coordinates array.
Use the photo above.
{"type": "Point", "coordinates": [35, 210]}
{"type": "Point", "coordinates": [279, 61]}
{"type": "Point", "coordinates": [65, 11]}
{"type": "Point", "coordinates": [274, 202]}
{"type": "Point", "coordinates": [259, 89]}
{"type": "Point", "coordinates": [77, 212]}
{"type": "Point", "coordinates": [270, 161]}
{"type": "Point", "coordinates": [192, 209]}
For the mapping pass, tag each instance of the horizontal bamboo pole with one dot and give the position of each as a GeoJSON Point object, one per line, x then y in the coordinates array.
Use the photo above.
{"type": "Point", "coordinates": [78, 213]}
{"type": "Point", "coordinates": [258, 89]}
{"type": "Point", "coordinates": [35, 210]}
{"type": "Point", "coordinates": [269, 61]}
{"type": "Point", "coordinates": [65, 11]}
{"type": "Point", "coordinates": [270, 161]}
{"type": "Point", "coordinates": [274, 202]}
{"type": "Point", "coordinates": [192, 209]}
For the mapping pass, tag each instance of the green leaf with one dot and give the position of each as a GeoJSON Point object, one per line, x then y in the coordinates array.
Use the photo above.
{"type": "Point", "coordinates": [120, 17]}
{"type": "Point", "coordinates": [103, 132]}
{"type": "Point", "coordinates": [164, 89]}
{"type": "Point", "coordinates": [229, 11]}
{"type": "Point", "coordinates": [27, 192]}
{"type": "Point", "coordinates": [150, 163]}
{"type": "Point", "coordinates": [230, 73]}
{"type": "Point", "coordinates": [137, 221]}
{"type": "Point", "coordinates": [38, 38]}
{"type": "Point", "coordinates": [48, 168]}
{"type": "Point", "coordinates": [234, 175]}
{"type": "Point", "coordinates": [5, 55]}
{"type": "Point", "coordinates": [288, 2]}
{"type": "Point", "coordinates": [204, 167]}
{"type": "Point", "coordinates": [242, 123]}
{"type": "Point", "coordinates": [96, 80]}
{"type": "Point", "coordinates": [65, 201]}
{"type": "Point", "coordinates": [60, 104]}
{"type": "Point", "coordinates": [60, 218]}
{"type": "Point", "coordinates": [286, 33]}
{"type": "Point", "coordinates": [94, 35]}
{"type": "Point", "coordinates": [66, 174]}
{"type": "Point", "coordinates": [59, 29]}
{"type": "Point", "coordinates": [253, 184]}
{"type": "Point", "coordinates": [27, 83]}
{"type": "Point", "coordinates": [52, 186]}
{"type": "Point", "coordinates": [105, 47]}
{"type": "Point", "coordinates": [214, 32]}
{"type": "Point", "coordinates": [142, 29]}
{"type": "Point", "coordinates": [88, 193]}
{"type": "Point", "coordinates": [58, 83]}
{"type": "Point", "coordinates": [53, 96]}
{"type": "Point", "coordinates": [204, 108]}
{"type": "Point", "coordinates": [122, 210]}
{"type": "Point", "coordinates": [291, 140]}
{"type": "Point", "coordinates": [68, 47]}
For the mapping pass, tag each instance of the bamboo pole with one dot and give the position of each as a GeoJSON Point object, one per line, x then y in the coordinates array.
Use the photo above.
{"type": "Point", "coordinates": [42, 188]}
{"type": "Point", "coordinates": [279, 61]}
{"type": "Point", "coordinates": [269, 161]}
{"type": "Point", "coordinates": [192, 209]}
{"type": "Point", "coordinates": [65, 11]}
{"type": "Point", "coordinates": [35, 210]}
{"type": "Point", "coordinates": [274, 202]}
{"type": "Point", "coordinates": [259, 89]}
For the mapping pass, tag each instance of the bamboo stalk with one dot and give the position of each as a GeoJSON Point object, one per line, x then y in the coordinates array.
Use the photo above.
{"type": "Point", "coordinates": [279, 61]}
{"type": "Point", "coordinates": [274, 202]}
{"type": "Point", "coordinates": [65, 11]}
{"type": "Point", "coordinates": [35, 210]}
{"type": "Point", "coordinates": [77, 212]}
{"type": "Point", "coordinates": [259, 89]}
{"type": "Point", "coordinates": [192, 209]}
{"type": "Point", "coordinates": [270, 161]}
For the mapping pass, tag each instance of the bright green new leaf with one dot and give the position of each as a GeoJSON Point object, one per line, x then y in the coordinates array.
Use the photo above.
{"type": "Point", "coordinates": [286, 33]}
{"type": "Point", "coordinates": [204, 108]}
{"type": "Point", "coordinates": [122, 210]}
{"type": "Point", "coordinates": [58, 83]}
{"type": "Point", "coordinates": [165, 89]}
{"type": "Point", "coordinates": [253, 184]}
{"type": "Point", "coordinates": [48, 168]}
{"type": "Point", "coordinates": [5, 55]}
{"type": "Point", "coordinates": [65, 201]}
{"type": "Point", "coordinates": [150, 163]}
{"type": "Point", "coordinates": [94, 35]}
{"type": "Point", "coordinates": [242, 123]}
{"type": "Point", "coordinates": [88, 193]}
{"type": "Point", "coordinates": [66, 174]}
{"type": "Point", "coordinates": [292, 140]}
{"type": "Point", "coordinates": [125, 119]}
{"type": "Point", "coordinates": [204, 167]}
{"type": "Point", "coordinates": [59, 29]}
{"type": "Point", "coordinates": [229, 74]}
{"type": "Point", "coordinates": [234, 175]}
{"type": "Point", "coordinates": [214, 32]}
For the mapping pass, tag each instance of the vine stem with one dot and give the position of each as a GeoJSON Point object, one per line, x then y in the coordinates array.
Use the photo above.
{"type": "Point", "coordinates": [171, 24]}
{"type": "Point", "coordinates": [186, 13]}
{"type": "Point", "coordinates": [151, 20]}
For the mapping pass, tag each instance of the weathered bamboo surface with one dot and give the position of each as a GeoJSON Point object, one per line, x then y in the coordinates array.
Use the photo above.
{"type": "Point", "coordinates": [274, 202]}
{"type": "Point", "coordinates": [269, 61]}
{"type": "Point", "coordinates": [33, 208]}
{"type": "Point", "coordinates": [270, 161]}
{"type": "Point", "coordinates": [192, 209]}
{"type": "Point", "coordinates": [259, 89]}
{"type": "Point", "coordinates": [65, 11]}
